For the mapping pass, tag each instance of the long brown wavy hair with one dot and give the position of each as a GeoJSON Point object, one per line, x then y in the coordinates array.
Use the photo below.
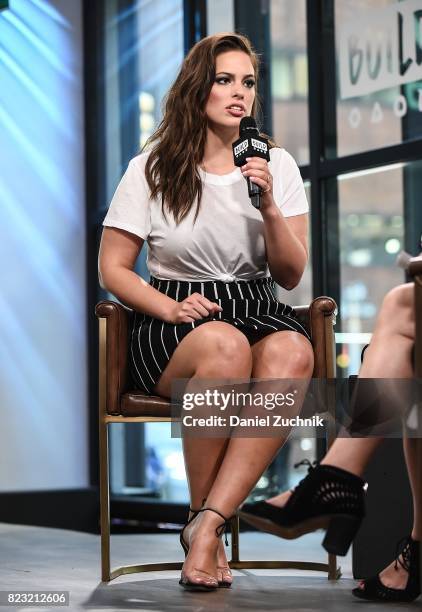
{"type": "Point", "coordinates": [177, 146]}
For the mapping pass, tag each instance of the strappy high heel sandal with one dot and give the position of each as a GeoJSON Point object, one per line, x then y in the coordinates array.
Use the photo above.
{"type": "Point", "coordinates": [374, 590]}
{"type": "Point", "coordinates": [224, 569]}
{"type": "Point", "coordinates": [328, 498]}
{"type": "Point", "coordinates": [212, 583]}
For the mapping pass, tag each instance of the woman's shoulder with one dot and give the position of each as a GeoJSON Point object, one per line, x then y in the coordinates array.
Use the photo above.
{"type": "Point", "coordinates": [280, 154]}
{"type": "Point", "coordinates": [282, 159]}
{"type": "Point", "coordinates": [139, 161]}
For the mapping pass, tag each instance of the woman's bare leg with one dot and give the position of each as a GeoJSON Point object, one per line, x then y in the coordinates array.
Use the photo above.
{"type": "Point", "coordinates": [246, 458]}
{"type": "Point", "coordinates": [211, 351]}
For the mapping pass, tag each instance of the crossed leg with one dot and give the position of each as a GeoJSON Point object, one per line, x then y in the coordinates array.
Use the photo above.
{"type": "Point", "coordinates": [225, 470]}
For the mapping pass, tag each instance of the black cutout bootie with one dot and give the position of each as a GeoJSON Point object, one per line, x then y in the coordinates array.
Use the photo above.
{"type": "Point", "coordinates": [328, 498]}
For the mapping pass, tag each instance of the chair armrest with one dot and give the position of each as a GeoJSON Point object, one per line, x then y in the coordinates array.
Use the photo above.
{"type": "Point", "coordinates": [115, 344]}
{"type": "Point", "coordinates": [322, 318]}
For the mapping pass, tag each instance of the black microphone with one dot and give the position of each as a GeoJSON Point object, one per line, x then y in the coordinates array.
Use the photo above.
{"type": "Point", "coordinates": [250, 144]}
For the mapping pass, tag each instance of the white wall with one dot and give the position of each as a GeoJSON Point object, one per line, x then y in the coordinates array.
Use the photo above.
{"type": "Point", "coordinates": [43, 352]}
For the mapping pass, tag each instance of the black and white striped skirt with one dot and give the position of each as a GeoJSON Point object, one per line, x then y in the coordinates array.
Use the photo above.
{"type": "Point", "coordinates": [250, 306]}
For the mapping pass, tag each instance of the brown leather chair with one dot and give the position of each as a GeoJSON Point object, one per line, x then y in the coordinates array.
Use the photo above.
{"type": "Point", "coordinates": [119, 403]}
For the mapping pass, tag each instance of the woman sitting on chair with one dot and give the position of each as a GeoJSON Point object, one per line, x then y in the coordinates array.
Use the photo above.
{"type": "Point", "coordinates": [210, 311]}
{"type": "Point", "coordinates": [294, 513]}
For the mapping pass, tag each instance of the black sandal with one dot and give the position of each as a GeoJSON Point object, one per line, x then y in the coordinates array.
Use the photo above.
{"type": "Point", "coordinates": [374, 590]}
{"type": "Point", "coordinates": [184, 581]}
{"type": "Point", "coordinates": [329, 498]}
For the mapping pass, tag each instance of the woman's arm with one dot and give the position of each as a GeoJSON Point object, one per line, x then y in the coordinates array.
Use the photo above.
{"type": "Point", "coordinates": [286, 241]}
{"type": "Point", "coordinates": [286, 238]}
{"type": "Point", "coordinates": [118, 253]}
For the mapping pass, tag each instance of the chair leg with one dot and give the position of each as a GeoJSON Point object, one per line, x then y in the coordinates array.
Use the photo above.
{"type": "Point", "coordinates": [235, 538]}
{"type": "Point", "coordinates": [334, 572]}
{"type": "Point", "coordinates": [104, 503]}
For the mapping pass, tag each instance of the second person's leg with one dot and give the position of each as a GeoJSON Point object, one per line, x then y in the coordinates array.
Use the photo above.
{"type": "Point", "coordinates": [393, 336]}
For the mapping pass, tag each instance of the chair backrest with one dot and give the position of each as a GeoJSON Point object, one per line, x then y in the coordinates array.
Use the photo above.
{"type": "Point", "coordinates": [115, 322]}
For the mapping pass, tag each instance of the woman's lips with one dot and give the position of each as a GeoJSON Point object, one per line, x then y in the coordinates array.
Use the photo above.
{"type": "Point", "coordinates": [235, 112]}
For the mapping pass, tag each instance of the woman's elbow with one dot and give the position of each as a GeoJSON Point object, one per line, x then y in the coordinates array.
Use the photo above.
{"type": "Point", "coordinates": [295, 275]}
{"type": "Point", "coordinates": [288, 286]}
{"type": "Point", "coordinates": [292, 280]}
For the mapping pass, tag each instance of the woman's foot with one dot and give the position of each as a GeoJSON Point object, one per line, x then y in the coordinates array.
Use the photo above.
{"type": "Point", "coordinates": [202, 538]}
{"type": "Point", "coordinates": [393, 576]}
{"type": "Point", "coordinates": [400, 581]}
{"type": "Point", "coordinates": [280, 500]}
{"type": "Point", "coordinates": [224, 573]}
{"type": "Point", "coordinates": [265, 507]}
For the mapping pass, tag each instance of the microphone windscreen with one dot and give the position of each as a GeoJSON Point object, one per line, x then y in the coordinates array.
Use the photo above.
{"type": "Point", "coordinates": [246, 124]}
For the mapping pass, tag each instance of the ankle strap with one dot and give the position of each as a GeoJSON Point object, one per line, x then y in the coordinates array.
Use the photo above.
{"type": "Point", "coordinates": [216, 511]}
{"type": "Point", "coordinates": [221, 528]}
{"type": "Point", "coordinates": [404, 549]}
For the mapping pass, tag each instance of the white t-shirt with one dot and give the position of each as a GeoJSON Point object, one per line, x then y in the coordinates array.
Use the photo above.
{"type": "Point", "coordinates": [227, 241]}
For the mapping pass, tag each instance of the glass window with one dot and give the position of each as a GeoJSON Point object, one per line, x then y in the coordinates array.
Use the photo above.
{"type": "Point", "coordinates": [143, 52]}
{"type": "Point", "coordinates": [220, 16]}
{"type": "Point", "coordinates": [371, 224]}
{"type": "Point", "coordinates": [289, 77]}
{"type": "Point", "coordinates": [160, 27]}
{"type": "Point", "coordinates": [144, 48]}
{"type": "Point", "coordinates": [379, 72]}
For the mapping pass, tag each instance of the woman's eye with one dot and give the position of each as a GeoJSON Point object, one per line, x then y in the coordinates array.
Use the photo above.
{"type": "Point", "coordinates": [249, 83]}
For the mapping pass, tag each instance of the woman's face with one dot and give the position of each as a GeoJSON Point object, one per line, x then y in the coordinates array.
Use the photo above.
{"type": "Point", "coordinates": [233, 92]}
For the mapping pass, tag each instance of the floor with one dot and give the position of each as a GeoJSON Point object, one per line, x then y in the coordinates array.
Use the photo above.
{"type": "Point", "coordinates": [33, 558]}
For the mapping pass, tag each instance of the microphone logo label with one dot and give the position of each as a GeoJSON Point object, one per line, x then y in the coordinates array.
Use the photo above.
{"type": "Point", "coordinates": [242, 146]}
{"type": "Point", "coordinates": [259, 145]}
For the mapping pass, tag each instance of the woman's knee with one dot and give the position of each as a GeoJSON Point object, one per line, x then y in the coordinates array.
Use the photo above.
{"type": "Point", "coordinates": [223, 345]}
{"type": "Point", "coordinates": [398, 299]}
{"type": "Point", "coordinates": [285, 354]}
{"type": "Point", "coordinates": [397, 309]}
{"type": "Point", "coordinates": [213, 349]}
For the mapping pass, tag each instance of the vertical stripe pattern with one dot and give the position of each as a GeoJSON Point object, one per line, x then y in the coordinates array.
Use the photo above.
{"type": "Point", "coordinates": [244, 303]}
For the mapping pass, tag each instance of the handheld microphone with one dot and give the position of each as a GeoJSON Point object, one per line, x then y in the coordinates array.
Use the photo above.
{"type": "Point", "coordinates": [250, 144]}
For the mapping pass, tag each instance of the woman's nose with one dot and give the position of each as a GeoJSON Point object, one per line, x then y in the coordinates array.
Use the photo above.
{"type": "Point", "coordinates": [237, 91]}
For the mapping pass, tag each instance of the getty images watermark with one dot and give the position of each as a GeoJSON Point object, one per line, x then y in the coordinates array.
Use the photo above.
{"type": "Point", "coordinates": [249, 408]}
{"type": "Point", "coordinates": [218, 400]}
{"type": "Point", "coordinates": [273, 408]}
